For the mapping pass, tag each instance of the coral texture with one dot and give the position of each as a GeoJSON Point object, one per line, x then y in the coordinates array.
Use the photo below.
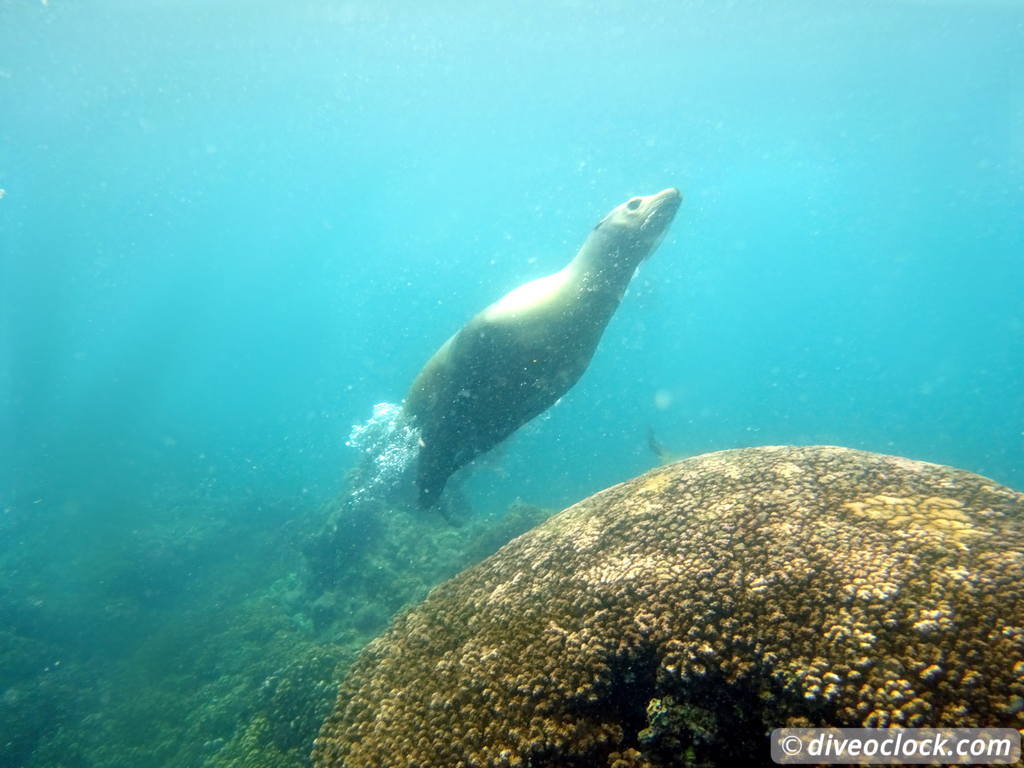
{"type": "Point", "coordinates": [677, 618]}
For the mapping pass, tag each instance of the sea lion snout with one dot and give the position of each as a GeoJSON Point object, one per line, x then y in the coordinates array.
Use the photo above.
{"type": "Point", "coordinates": [663, 206]}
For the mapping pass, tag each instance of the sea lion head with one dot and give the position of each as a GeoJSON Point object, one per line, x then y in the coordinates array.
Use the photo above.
{"type": "Point", "coordinates": [637, 226]}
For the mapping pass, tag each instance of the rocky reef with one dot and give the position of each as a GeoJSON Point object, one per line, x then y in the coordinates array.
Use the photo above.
{"type": "Point", "coordinates": [209, 635]}
{"type": "Point", "coordinates": [675, 619]}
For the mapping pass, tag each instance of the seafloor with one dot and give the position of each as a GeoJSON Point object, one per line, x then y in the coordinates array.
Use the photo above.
{"type": "Point", "coordinates": [212, 634]}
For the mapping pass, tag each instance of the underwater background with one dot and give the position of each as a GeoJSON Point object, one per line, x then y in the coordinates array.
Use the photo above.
{"type": "Point", "coordinates": [228, 229]}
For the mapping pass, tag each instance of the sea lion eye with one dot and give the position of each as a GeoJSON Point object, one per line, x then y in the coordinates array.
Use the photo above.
{"type": "Point", "coordinates": [633, 204]}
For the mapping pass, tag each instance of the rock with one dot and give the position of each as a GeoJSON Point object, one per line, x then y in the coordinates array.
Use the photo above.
{"type": "Point", "coordinates": [677, 618]}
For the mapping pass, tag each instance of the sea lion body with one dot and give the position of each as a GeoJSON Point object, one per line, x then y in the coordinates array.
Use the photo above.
{"type": "Point", "coordinates": [514, 359]}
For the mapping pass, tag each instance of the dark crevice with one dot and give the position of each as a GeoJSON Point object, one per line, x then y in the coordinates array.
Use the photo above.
{"type": "Point", "coordinates": [633, 685]}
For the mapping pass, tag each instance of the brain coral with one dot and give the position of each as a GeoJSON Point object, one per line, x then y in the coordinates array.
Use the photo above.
{"type": "Point", "coordinates": [677, 618]}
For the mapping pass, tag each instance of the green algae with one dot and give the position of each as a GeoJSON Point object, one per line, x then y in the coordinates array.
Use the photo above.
{"type": "Point", "coordinates": [221, 645]}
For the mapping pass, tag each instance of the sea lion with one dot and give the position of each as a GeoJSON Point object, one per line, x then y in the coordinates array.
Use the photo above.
{"type": "Point", "coordinates": [516, 358]}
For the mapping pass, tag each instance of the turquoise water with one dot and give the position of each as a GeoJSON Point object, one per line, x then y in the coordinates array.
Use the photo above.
{"type": "Point", "coordinates": [229, 229]}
